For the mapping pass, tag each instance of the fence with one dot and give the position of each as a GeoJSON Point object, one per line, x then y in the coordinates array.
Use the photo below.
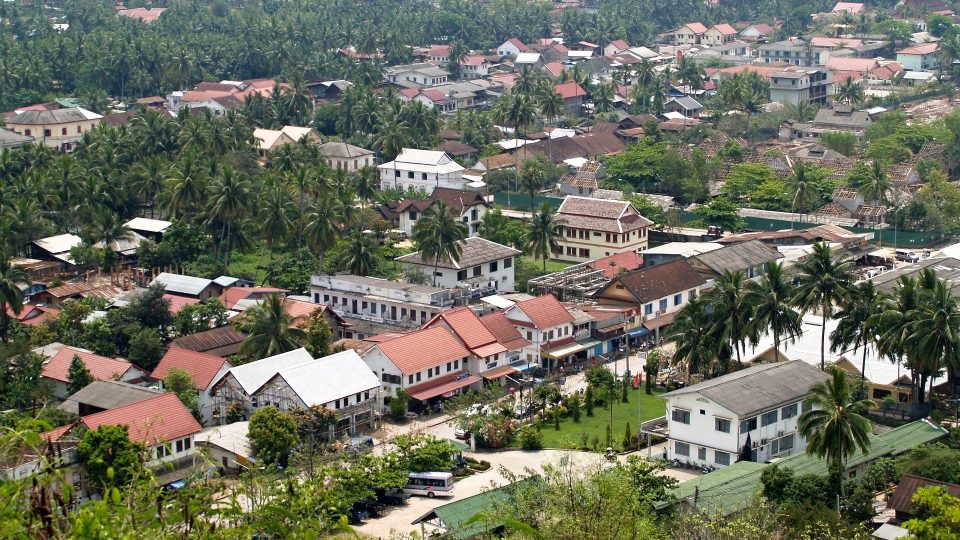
{"type": "Point", "coordinates": [521, 201]}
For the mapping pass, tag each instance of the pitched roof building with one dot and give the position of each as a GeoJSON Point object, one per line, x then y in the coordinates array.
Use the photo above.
{"type": "Point", "coordinates": [595, 228]}
{"type": "Point", "coordinates": [57, 367]}
{"type": "Point", "coordinates": [483, 265]}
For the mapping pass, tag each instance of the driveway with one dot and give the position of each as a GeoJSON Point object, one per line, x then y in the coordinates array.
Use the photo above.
{"type": "Point", "coordinates": [398, 519]}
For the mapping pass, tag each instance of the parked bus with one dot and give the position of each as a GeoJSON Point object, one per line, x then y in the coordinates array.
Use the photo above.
{"type": "Point", "coordinates": [431, 484]}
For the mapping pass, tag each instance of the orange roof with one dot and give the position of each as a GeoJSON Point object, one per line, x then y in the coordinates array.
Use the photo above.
{"type": "Point", "coordinates": [926, 48]}
{"type": "Point", "coordinates": [467, 326]}
{"type": "Point", "coordinates": [202, 367]}
{"type": "Point", "coordinates": [695, 27]}
{"type": "Point", "coordinates": [231, 296]}
{"type": "Point", "coordinates": [518, 44]}
{"type": "Point", "coordinates": [505, 332]}
{"type": "Point", "coordinates": [101, 367]}
{"type": "Point", "coordinates": [32, 315]}
{"type": "Point", "coordinates": [725, 29]}
{"type": "Point", "coordinates": [862, 65]}
{"type": "Point", "coordinates": [545, 311]}
{"type": "Point", "coordinates": [191, 96]}
{"type": "Point", "coordinates": [569, 90]}
{"type": "Point", "coordinates": [423, 349]}
{"type": "Point", "coordinates": [178, 302]}
{"type": "Point", "coordinates": [620, 44]}
{"type": "Point", "coordinates": [439, 50]}
{"type": "Point", "coordinates": [611, 265]}
{"type": "Point", "coordinates": [301, 309]}
{"type": "Point", "coordinates": [151, 421]}
{"type": "Point", "coordinates": [554, 68]}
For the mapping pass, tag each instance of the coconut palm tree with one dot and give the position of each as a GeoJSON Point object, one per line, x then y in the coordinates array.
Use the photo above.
{"type": "Point", "coordinates": [935, 333]}
{"type": "Point", "coordinates": [856, 327]}
{"type": "Point", "coordinates": [544, 234]}
{"type": "Point", "coordinates": [835, 427]}
{"type": "Point", "coordinates": [106, 230]}
{"type": "Point", "coordinates": [439, 235]}
{"type": "Point", "coordinates": [12, 277]}
{"type": "Point", "coordinates": [770, 298]}
{"type": "Point", "coordinates": [231, 199]}
{"type": "Point", "coordinates": [849, 91]}
{"type": "Point", "coordinates": [894, 324]}
{"type": "Point", "coordinates": [822, 284]}
{"type": "Point", "coordinates": [804, 194]}
{"type": "Point", "coordinates": [691, 73]}
{"type": "Point", "coordinates": [275, 222]}
{"type": "Point", "coordinates": [875, 186]}
{"type": "Point", "coordinates": [690, 333]}
{"type": "Point", "coordinates": [269, 329]}
{"type": "Point", "coordinates": [321, 219]}
{"type": "Point", "coordinates": [550, 104]}
{"type": "Point", "coordinates": [731, 311]}
{"type": "Point", "coordinates": [361, 254]}
{"type": "Point", "coordinates": [391, 137]}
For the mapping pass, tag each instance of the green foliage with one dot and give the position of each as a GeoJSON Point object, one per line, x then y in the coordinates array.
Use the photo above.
{"type": "Point", "coordinates": [272, 433]}
{"type": "Point", "coordinates": [935, 461]}
{"type": "Point", "coordinates": [293, 272]}
{"type": "Point", "coordinates": [150, 308]}
{"type": "Point", "coordinates": [181, 383]}
{"type": "Point", "coordinates": [319, 338]}
{"type": "Point", "coordinates": [720, 211]}
{"type": "Point", "coordinates": [496, 227]}
{"type": "Point", "coordinates": [937, 515]}
{"type": "Point", "coordinates": [146, 348]}
{"type": "Point", "coordinates": [529, 438]}
{"type": "Point", "coordinates": [743, 180]}
{"type": "Point", "coordinates": [78, 376]}
{"type": "Point", "coordinates": [421, 453]}
{"type": "Point", "coordinates": [194, 318]}
{"type": "Point", "coordinates": [588, 400]}
{"type": "Point", "coordinates": [109, 458]}
{"type": "Point", "coordinates": [398, 404]}
{"type": "Point", "coordinates": [839, 141]}
{"type": "Point", "coordinates": [315, 422]}
{"type": "Point", "coordinates": [647, 208]}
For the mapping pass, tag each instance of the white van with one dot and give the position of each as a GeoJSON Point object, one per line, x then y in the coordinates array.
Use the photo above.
{"type": "Point", "coordinates": [907, 255]}
{"type": "Point", "coordinates": [430, 484]}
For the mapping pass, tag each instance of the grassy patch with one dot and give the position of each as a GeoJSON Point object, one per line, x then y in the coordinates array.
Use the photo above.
{"type": "Point", "coordinates": [552, 265]}
{"type": "Point", "coordinates": [570, 433]}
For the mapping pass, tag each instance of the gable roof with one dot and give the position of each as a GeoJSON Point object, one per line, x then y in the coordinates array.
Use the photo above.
{"type": "Point", "coordinates": [343, 150]}
{"type": "Point", "coordinates": [545, 311]}
{"type": "Point", "coordinates": [55, 116]}
{"type": "Point", "coordinates": [202, 367]}
{"type": "Point", "coordinates": [253, 375]}
{"type": "Point", "coordinates": [738, 257]}
{"type": "Point", "coordinates": [473, 251]}
{"type": "Point", "coordinates": [924, 48]}
{"type": "Point", "coordinates": [150, 421]}
{"type": "Point", "coordinates": [659, 281]}
{"type": "Point", "coordinates": [902, 498]}
{"type": "Point", "coordinates": [860, 65]}
{"type": "Point", "coordinates": [233, 295]}
{"type": "Point", "coordinates": [107, 395]}
{"type": "Point", "coordinates": [222, 341]}
{"type": "Point", "coordinates": [472, 332]}
{"type": "Point", "coordinates": [724, 29]}
{"type": "Point", "coordinates": [695, 27]}
{"type": "Point", "coordinates": [326, 379]}
{"type": "Point", "coordinates": [505, 332]}
{"type": "Point", "coordinates": [518, 44]}
{"type": "Point", "coordinates": [101, 367]}
{"type": "Point", "coordinates": [758, 388]}
{"type": "Point", "coordinates": [181, 284]}
{"type": "Point", "coordinates": [570, 90]}
{"type": "Point", "coordinates": [60, 243]}
{"type": "Point", "coordinates": [612, 264]}
{"type": "Point", "coordinates": [457, 199]}
{"type": "Point", "coordinates": [604, 215]}
{"type": "Point", "coordinates": [423, 349]}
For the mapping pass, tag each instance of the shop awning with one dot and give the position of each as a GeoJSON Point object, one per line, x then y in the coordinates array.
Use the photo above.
{"type": "Point", "coordinates": [661, 321]}
{"type": "Point", "coordinates": [638, 332]}
{"type": "Point", "coordinates": [611, 328]}
{"type": "Point", "coordinates": [588, 343]}
{"type": "Point", "coordinates": [564, 351]}
{"type": "Point", "coordinates": [426, 391]}
{"type": "Point", "coordinates": [524, 366]}
{"type": "Point", "coordinates": [498, 372]}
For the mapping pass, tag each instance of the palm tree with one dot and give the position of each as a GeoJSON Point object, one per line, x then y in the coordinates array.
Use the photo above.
{"type": "Point", "coordinates": [12, 277]}
{"type": "Point", "coordinates": [822, 284]}
{"type": "Point", "coordinates": [106, 231]}
{"type": "Point", "coordinates": [856, 327]}
{"type": "Point", "coordinates": [770, 298]}
{"type": "Point", "coordinates": [804, 194]}
{"type": "Point", "coordinates": [849, 91]}
{"type": "Point", "coordinates": [275, 223]}
{"type": "Point", "coordinates": [544, 234]}
{"type": "Point", "coordinates": [186, 185]}
{"type": "Point", "coordinates": [231, 199]}
{"type": "Point", "coordinates": [391, 137]}
{"type": "Point", "coordinates": [361, 253]}
{"type": "Point", "coordinates": [875, 186]}
{"type": "Point", "coordinates": [269, 330]}
{"type": "Point", "coordinates": [690, 333]}
{"type": "Point", "coordinates": [691, 72]}
{"type": "Point", "coordinates": [731, 311]}
{"type": "Point", "coordinates": [894, 325]}
{"type": "Point", "coordinates": [439, 236]}
{"type": "Point", "coordinates": [320, 229]}
{"type": "Point", "coordinates": [550, 104]}
{"type": "Point", "coordinates": [835, 426]}
{"type": "Point", "coordinates": [935, 333]}
{"type": "Point", "coordinates": [364, 185]}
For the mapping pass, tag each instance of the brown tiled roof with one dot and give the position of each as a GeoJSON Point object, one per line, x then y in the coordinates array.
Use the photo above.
{"type": "Point", "coordinates": [456, 199]}
{"type": "Point", "coordinates": [457, 148]}
{"type": "Point", "coordinates": [902, 498]}
{"type": "Point", "coordinates": [499, 161]}
{"type": "Point", "coordinates": [545, 311]}
{"type": "Point", "coordinates": [473, 251]}
{"type": "Point", "coordinates": [600, 143]}
{"type": "Point", "coordinates": [465, 324]}
{"type": "Point", "coordinates": [423, 349]}
{"type": "Point", "coordinates": [603, 215]}
{"type": "Point", "coordinates": [222, 341]}
{"type": "Point", "coordinates": [202, 367]}
{"type": "Point", "coordinates": [655, 282]}
{"type": "Point", "coordinates": [505, 332]}
{"type": "Point", "coordinates": [833, 209]}
{"type": "Point", "coordinates": [611, 265]}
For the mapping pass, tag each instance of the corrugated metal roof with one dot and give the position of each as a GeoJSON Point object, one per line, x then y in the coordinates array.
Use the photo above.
{"type": "Point", "coordinates": [202, 367]}
{"type": "Point", "coordinates": [332, 377]}
{"type": "Point", "coordinates": [253, 375]}
{"type": "Point", "coordinates": [738, 257]}
{"type": "Point", "coordinates": [177, 283]}
{"type": "Point", "coordinates": [902, 498]}
{"type": "Point", "coordinates": [107, 395]}
{"type": "Point", "coordinates": [58, 244]}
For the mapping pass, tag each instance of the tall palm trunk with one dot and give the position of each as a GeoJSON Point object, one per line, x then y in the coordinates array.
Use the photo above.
{"type": "Point", "coordinates": [863, 373]}
{"type": "Point", "coordinates": [436, 264]}
{"type": "Point", "coordinates": [776, 346]}
{"type": "Point", "coordinates": [823, 339]}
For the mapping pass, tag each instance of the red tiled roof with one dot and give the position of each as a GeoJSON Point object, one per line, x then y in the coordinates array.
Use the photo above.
{"type": "Point", "coordinates": [839, 63]}
{"type": "Point", "coordinates": [178, 302]}
{"type": "Point", "coordinates": [467, 326]}
{"type": "Point", "coordinates": [439, 50]}
{"type": "Point", "coordinates": [473, 60]}
{"type": "Point", "coordinates": [926, 48]}
{"type": "Point", "coordinates": [695, 27]}
{"type": "Point", "coordinates": [147, 15]}
{"type": "Point", "coordinates": [518, 44]}
{"type": "Point", "coordinates": [505, 332]}
{"type": "Point", "coordinates": [620, 44]}
{"type": "Point", "coordinates": [409, 93]}
{"type": "Point", "coordinates": [725, 29]}
{"type": "Point", "coordinates": [545, 311]}
{"type": "Point", "coordinates": [231, 296]}
{"type": "Point", "coordinates": [570, 90]}
{"type": "Point", "coordinates": [423, 349]}
{"type": "Point", "coordinates": [202, 367]}
{"type": "Point", "coordinates": [31, 315]}
{"type": "Point", "coordinates": [151, 421]}
{"type": "Point", "coordinates": [611, 265]}
{"type": "Point", "coordinates": [554, 68]}
{"type": "Point", "coordinates": [101, 367]}
{"type": "Point", "coordinates": [763, 28]}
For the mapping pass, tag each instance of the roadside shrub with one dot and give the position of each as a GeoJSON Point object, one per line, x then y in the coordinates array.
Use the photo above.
{"type": "Point", "coordinates": [529, 438]}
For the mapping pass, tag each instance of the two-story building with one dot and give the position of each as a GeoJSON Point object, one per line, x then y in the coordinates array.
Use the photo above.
{"type": "Point", "coordinates": [421, 170]}
{"type": "Point", "coordinates": [923, 57]}
{"type": "Point", "coordinates": [689, 34]}
{"type": "Point", "coordinates": [756, 409]}
{"type": "Point", "coordinates": [419, 75]}
{"type": "Point", "coordinates": [660, 291]}
{"type": "Point", "coordinates": [484, 267]}
{"type": "Point", "coordinates": [346, 157]}
{"type": "Point", "coordinates": [60, 129]}
{"type": "Point", "coordinates": [468, 207]}
{"type": "Point", "coordinates": [385, 304]}
{"type": "Point", "coordinates": [595, 228]}
{"type": "Point", "coordinates": [750, 258]}
{"type": "Point", "coordinates": [547, 326]}
{"type": "Point", "coordinates": [56, 367]}
{"type": "Point", "coordinates": [511, 48]}
{"type": "Point", "coordinates": [718, 34]}
{"type": "Point", "coordinates": [793, 51]}
{"type": "Point", "coordinates": [204, 369]}
{"type": "Point", "coordinates": [428, 364]}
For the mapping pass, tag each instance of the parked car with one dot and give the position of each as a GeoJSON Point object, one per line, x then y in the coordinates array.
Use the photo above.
{"type": "Point", "coordinates": [393, 497]}
{"type": "Point", "coordinates": [370, 506]}
{"type": "Point", "coordinates": [461, 433]}
{"type": "Point", "coordinates": [907, 256]}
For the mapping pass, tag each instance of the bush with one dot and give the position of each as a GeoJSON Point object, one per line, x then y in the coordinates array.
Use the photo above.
{"type": "Point", "coordinates": [529, 438]}
{"type": "Point", "coordinates": [588, 401]}
{"type": "Point", "coordinates": [573, 405]}
{"type": "Point", "coordinates": [398, 405]}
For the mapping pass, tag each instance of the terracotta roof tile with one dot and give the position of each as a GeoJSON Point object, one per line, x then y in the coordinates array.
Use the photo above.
{"type": "Point", "coordinates": [570, 90]}
{"type": "Point", "coordinates": [101, 367]}
{"type": "Point", "coordinates": [202, 367]}
{"type": "Point", "coordinates": [423, 349]}
{"type": "Point", "coordinates": [151, 421]}
{"type": "Point", "coordinates": [466, 325]}
{"type": "Point", "coordinates": [179, 302]}
{"type": "Point", "coordinates": [545, 311]}
{"type": "Point", "coordinates": [611, 266]}
{"type": "Point", "coordinates": [505, 332]}
{"type": "Point", "coordinates": [231, 296]}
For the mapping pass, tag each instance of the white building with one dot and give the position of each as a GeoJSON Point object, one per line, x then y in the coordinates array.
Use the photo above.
{"type": "Point", "coordinates": [421, 170]}
{"type": "Point", "coordinates": [468, 207]}
{"type": "Point", "coordinates": [545, 324]}
{"type": "Point", "coordinates": [511, 47]}
{"type": "Point", "coordinates": [346, 157]}
{"type": "Point", "coordinates": [711, 423]}
{"type": "Point", "coordinates": [484, 266]}
{"type": "Point", "coordinates": [417, 74]}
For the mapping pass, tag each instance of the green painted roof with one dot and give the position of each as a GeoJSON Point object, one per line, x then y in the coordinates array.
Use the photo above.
{"type": "Point", "coordinates": [457, 445]}
{"type": "Point", "coordinates": [453, 514]}
{"type": "Point", "coordinates": [733, 488]}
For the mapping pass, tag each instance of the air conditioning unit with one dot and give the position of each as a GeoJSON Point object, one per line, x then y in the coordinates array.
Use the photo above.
{"type": "Point", "coordinates": [780, 433]}
{"type": "Point", "coordinates": [763, 441]}
{"type": "Point", "coordinates": [755, 444]}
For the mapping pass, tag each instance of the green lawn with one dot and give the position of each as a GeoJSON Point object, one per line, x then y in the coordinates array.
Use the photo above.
{"type": "Point", "coordinates": [552, 265]}
{"type": "Point", "coordinates": [569, 435]}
